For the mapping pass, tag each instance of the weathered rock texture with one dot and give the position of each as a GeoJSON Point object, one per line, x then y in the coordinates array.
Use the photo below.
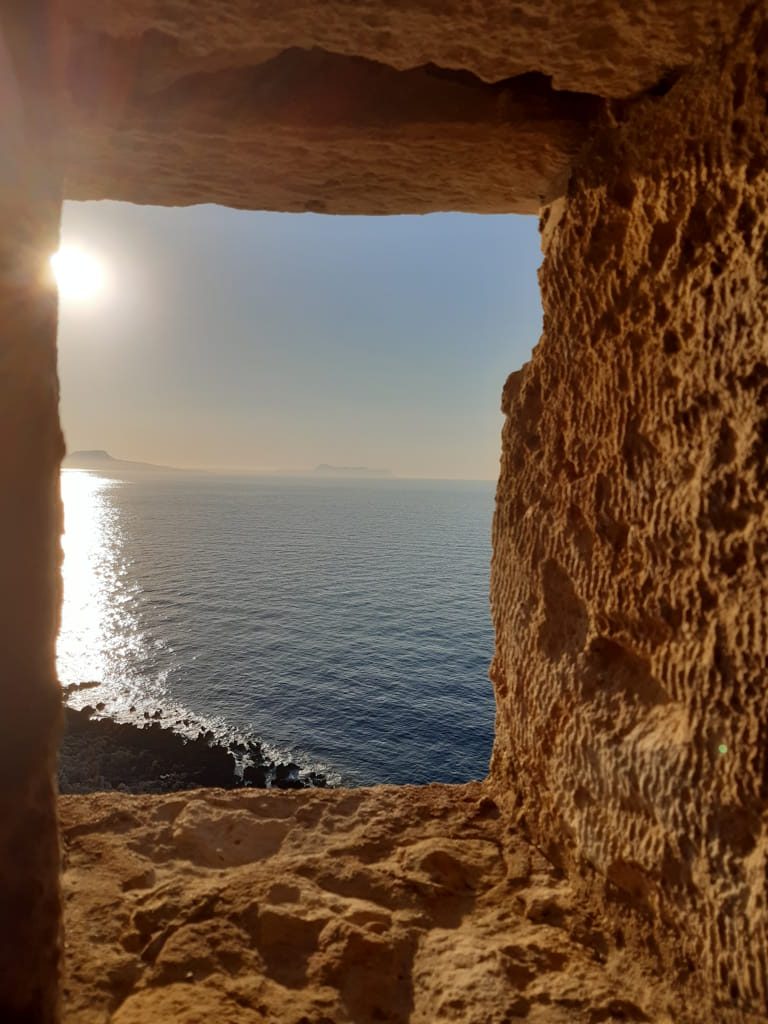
{"type": "Point", "coordinates": [630, 572]}
{"type": "Point", "coordinates": [355, 107]}
{"type": "Point", "coordinates": [415, 906]}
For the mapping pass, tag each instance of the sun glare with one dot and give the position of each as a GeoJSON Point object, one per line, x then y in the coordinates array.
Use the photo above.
{"type": "Point", "coordinates": [79, 274]}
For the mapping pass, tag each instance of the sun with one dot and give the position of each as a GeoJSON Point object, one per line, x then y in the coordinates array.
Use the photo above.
{"type": "Point", "coordinates": [79, 274]}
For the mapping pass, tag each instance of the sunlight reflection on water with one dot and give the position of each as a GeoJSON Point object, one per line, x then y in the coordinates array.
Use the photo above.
{"type": "Point", "coordinates": [88, 574]}
{"type": "Point", "coordinates": [98, 633]}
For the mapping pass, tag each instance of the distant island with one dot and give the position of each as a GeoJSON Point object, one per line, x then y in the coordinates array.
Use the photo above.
{"type": "Point", "coordinates": [98, 459]}
{"type": "Point", "coordinates": [325, 470]}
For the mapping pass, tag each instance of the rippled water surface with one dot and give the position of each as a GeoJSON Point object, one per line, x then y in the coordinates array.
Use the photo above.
{"type": "Point", "coordinates": [344, 623]}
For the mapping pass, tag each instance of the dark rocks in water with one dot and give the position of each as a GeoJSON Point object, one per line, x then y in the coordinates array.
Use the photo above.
{"type": "Point", "coordinates": [287, 776]}
{"type": "Point", "coordinates": [99, 754]}
{"type": "Point", "coordinates": [256, 775]}
{"type": "Point", "coordinates": [71, 688]}
{"type": "Point", "coordinates": [286, 772]}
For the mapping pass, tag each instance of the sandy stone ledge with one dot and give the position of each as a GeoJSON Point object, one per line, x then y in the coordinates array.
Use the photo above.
{"type": "Point", "coordinates": [390, 904]}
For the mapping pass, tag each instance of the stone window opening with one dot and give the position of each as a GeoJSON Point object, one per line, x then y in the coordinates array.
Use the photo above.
{"type": "Point", "coordinates": [612, 865]}
{"type": "Point", "coordinates": [141, 591]}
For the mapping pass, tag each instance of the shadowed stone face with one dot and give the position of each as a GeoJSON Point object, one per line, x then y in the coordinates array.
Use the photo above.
{"type": "Point", "coordinates": [31, 448]}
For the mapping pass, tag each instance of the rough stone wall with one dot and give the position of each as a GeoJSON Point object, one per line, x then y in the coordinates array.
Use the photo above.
{"type": "Point", "coordinates": [30, 451]}
{"type": "Point", "coordinates": [630, 568]}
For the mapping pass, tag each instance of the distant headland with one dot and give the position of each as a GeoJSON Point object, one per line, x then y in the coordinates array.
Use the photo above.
{"type": "Point", "coordinates": [98, 459]}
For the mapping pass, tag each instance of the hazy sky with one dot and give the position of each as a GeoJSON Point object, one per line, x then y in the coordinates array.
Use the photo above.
{"type": "Point", "coordinates": [262, 340]}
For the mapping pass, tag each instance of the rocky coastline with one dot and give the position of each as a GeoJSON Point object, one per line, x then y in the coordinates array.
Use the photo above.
{"type": "Point", "coordinates": [99, 754]}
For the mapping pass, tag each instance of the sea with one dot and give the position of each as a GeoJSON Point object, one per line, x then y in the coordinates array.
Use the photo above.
{"type": "Point", "coordinates": [342, 623]}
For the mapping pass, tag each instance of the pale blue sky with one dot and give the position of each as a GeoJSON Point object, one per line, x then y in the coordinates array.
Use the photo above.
{"type": "Point", "coordinates": [265, 341]}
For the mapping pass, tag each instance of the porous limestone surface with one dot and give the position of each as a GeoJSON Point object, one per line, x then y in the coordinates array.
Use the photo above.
{"type": "Point", "coordinates": [630, 565]}
{"type": "Point", "coordinates": [417, 905]}
{"type": "Point", "coordinates": [365, 107]}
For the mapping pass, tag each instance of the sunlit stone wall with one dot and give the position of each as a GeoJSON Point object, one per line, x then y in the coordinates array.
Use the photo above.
{"type": "Point", "coordinates": [630, 569]}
